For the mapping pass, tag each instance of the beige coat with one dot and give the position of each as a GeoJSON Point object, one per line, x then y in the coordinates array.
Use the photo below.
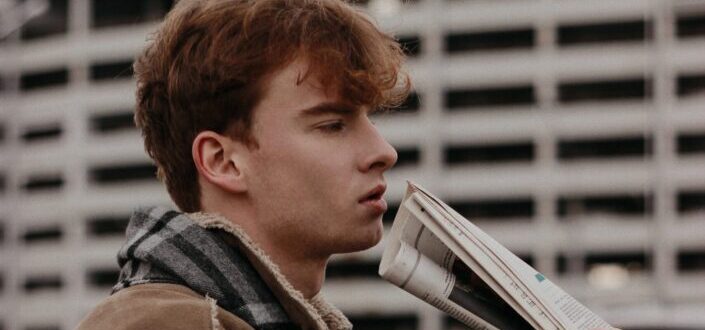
{"type": "Point", "coordinates": [171, 306]}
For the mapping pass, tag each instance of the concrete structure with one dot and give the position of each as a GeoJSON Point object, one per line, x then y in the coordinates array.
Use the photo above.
{"type": "Point", "coordinates": [573, 131]}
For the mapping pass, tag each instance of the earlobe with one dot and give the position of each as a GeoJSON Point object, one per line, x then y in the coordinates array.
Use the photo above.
{"type": "Point", "coordinates": [216, 162]}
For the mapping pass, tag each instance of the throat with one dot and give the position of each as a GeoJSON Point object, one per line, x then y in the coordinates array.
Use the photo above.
{"type": "Point", "coordinates": [305, 272]}
{"type": "Point", "coordinates": [306, 276]}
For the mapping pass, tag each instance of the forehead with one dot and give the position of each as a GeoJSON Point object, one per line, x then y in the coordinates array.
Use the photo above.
{"type": "Point", "coordinates": [294, 89]}
{"type": "Point", "coordinates": [291, 88]}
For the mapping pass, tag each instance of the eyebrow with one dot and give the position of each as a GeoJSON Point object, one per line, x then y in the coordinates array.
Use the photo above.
{"type": "Point", "coordinates": [339, 108]}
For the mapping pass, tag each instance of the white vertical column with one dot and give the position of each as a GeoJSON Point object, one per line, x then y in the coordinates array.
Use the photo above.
{"type": "Point", "coordinates": [664, 249]}
{"type": "Point", "coordinates": [75, 123]}
{"type": "Point", "coordinates": [432, 112]}
{"type": "Point", "coordinates": [9, 102]}
{"type": "Point", "coordinates": [544, 139]}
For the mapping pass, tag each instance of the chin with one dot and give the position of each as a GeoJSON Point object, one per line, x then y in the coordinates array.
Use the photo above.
{"type": "Point", "coordinates": [362, 240]}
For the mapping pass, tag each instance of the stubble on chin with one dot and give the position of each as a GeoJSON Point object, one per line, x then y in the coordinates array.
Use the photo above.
{"type": "Point", "coordinates": [362, 240]}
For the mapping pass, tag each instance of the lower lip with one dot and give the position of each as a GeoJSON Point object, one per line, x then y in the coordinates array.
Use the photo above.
{"type": "Point", "coordinates": [378, 205]}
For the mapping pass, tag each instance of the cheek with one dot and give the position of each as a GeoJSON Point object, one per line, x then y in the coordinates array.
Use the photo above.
{"type": "Point", "coordinates": [322, 160]}
{"type": "Point", "coordinates": [313, 166]}
{"type": "Point", "coordinates": [286, 170]}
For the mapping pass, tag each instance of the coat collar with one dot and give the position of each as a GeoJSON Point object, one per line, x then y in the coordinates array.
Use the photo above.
{"type": "Point", "coordinates": [315, 313]}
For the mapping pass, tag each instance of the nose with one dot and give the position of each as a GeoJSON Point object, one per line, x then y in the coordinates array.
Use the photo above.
{"type": "Point", "coordinates": [379, 155]}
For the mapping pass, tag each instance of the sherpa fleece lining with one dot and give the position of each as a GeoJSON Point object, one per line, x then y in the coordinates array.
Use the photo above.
{"type": "Point", "coordinates": [316, 313]}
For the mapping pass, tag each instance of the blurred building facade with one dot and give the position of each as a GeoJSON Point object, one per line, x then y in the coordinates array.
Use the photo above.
{"type": "Point", "coordinates": [572, 131]}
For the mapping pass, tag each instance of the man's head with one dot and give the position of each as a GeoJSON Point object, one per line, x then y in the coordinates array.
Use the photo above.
{"type": "Point", "coordinates": [314, 184]}
{"type": "Point", "coordinates": [212, 61]}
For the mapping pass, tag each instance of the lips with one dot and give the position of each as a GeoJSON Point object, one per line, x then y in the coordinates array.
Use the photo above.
{"type": "Point", "coordinates": [374, 200]}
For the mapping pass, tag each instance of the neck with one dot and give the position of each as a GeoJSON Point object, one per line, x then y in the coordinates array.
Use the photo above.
{"type": "Point", "coordinates": [304, 271]}
{"type": "Point", "coordinates": [305, 274]}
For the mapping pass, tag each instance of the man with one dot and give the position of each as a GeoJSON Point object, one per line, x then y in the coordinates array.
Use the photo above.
{"type": "Point", "coordinates": [257, 116]}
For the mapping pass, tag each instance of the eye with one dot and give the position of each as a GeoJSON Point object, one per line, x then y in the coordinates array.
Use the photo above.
{"type": "Point", "coordinates": [332, 127]}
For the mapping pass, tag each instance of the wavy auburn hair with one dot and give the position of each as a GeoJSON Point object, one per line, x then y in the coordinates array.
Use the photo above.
{"type": "Point", "coordinates": [206, 68]}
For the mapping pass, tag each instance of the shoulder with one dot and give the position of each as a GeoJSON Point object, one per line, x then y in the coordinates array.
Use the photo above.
{"type": "Point", "coordinates": [159, 306]}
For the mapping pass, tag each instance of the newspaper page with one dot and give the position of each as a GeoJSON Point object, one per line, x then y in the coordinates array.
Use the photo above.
{"type": "Point", "coordinates": [482, 261]}
{"type": "Point", "coordinates": [545, 298]}
{"type": "Point", "coordinates": [418, 262]}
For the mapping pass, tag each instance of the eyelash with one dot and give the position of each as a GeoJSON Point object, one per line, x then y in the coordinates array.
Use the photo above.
{"type": "Point", "coordinates": [333, 127]}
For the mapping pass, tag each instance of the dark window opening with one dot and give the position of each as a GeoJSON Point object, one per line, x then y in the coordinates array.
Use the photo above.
{"type": "Point", "coordinates": [44, 79]}
{"type": "Point", "coordinates": [114, 70]}
{"type": "Point", "coordinates": [2, 133]}
{"type": "Point", "coordinates": [606, 90]}
{"type": "Point", "coordinates": [38, 235]}
{"type": "Point", "coordinates": [123, 173]}
{"type": "Point", "coordinates": [42, 327]}
{"type": "Point", "coordinates": [495, 209]}
{"type": "Point", "coordinates": [411, 104]}
{"type": "Point", "coordinates": [527, 258]}
{"type": "Point", "coordinates": [408, 156]}
{"type": "Point", "coordinates": [111, 13]}
{"type": "Point", "coordinates": [692, 260]}
{"type": "Point", "coordinates": [3, 183]}
{"type": "Point", "coordinates": [2, 231]}
{"type": "Point", "coordinates": [108, 123]}
{"type": "Point", "coordinates": [618, 147]}
{"type": "Point", "coordinates": [411, 45]}
{"type": "Point", "coordinates": [634, 204]}
{"type": "Point", "coordinates": [392, 209]}
{"type": "Point", "coordinates": [353, 269]}
{"type": "Point", "coordinates": [107, 225]}
{"type": "Point", "coordinates": [53, 21]}
{"type": "Point", "coordinates": [499, 153]}
{"type": "Point", "coordinates": [103, 278]}
{"type": "Point", "coordinates": [492, 40]}
{"type": "Point", "coordinates": [691, 26]}
{"type": "Point", "coordinates": [43, 282]}
{"type": "Point", "coordinates": [691, 201]}
{"type": "Point", "coordinates": [691, 143]}
{"type": "Point", "coordinates": [43, 183]}
{"type": "Point", "coordinates": [690, 85]}
{"type": "Point", "coordinates": [561, 264]}
{"type": "Point", "coordinates": [2, 283]}
{"type": "Point", "coordinates": [384, 322]}
{"type": "Point", "coordinates": [632, 261]}
{"type": "Point", "coordinates": [34, 134]}
{"type": "Point", "coordinates": [604, 32]}
{"type": "Point", "coordinates": [459, 99]}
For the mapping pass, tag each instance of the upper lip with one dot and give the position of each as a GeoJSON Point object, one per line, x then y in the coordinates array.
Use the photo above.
{"type": "Point", "coordinates": [376, 193]}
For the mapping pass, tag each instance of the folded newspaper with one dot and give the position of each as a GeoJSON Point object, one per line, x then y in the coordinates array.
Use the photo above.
{"type": "Point", "coordinates": [440, 257]}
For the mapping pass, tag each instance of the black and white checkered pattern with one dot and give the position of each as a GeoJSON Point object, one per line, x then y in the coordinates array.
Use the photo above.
{"type": "Point", "coordinates": [165, 246]}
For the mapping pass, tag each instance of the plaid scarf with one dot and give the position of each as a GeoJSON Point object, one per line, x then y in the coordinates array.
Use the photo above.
{"type": "Point", "coordinates": [165, 246]}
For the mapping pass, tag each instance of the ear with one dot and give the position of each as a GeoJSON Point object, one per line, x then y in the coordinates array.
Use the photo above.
{"type": "Point", "coordinates": [217, 162]}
